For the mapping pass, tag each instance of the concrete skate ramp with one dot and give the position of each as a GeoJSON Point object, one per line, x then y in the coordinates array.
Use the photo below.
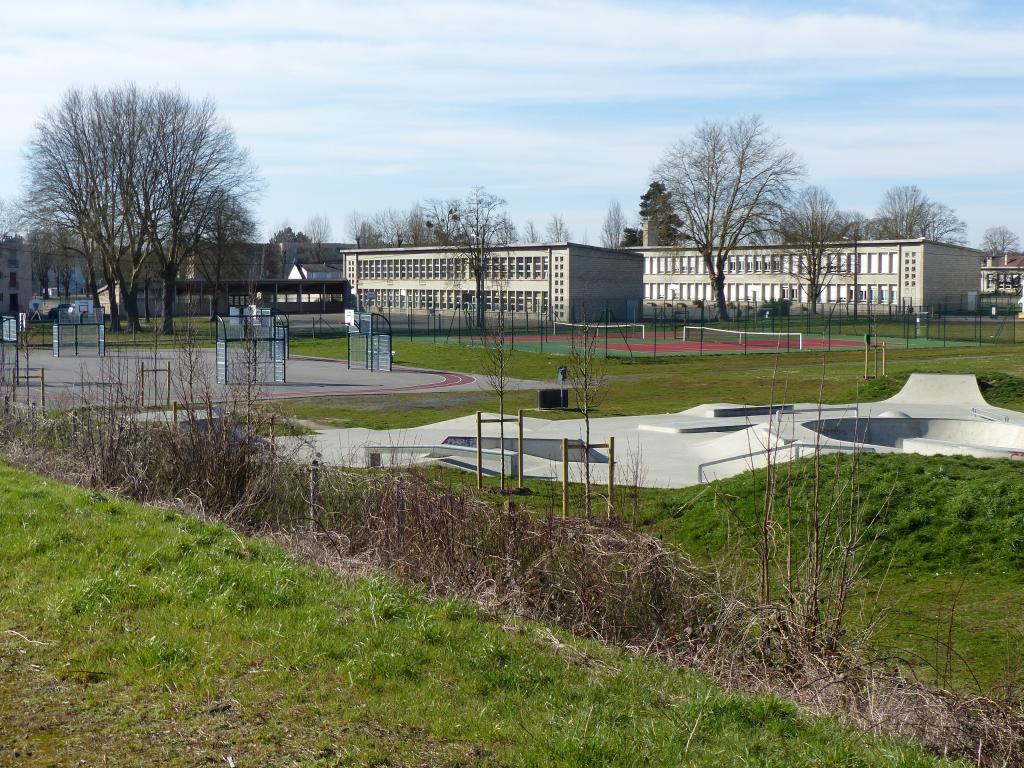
{"type": "Point", "coordinates": [908, 433]}
{"type": "Point", "coordinates": [940, 389]}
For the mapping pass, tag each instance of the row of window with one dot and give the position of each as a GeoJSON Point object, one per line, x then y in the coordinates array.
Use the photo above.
{"type": "Point", "coordinates": [867, 294]}
{"type": "Point", "coordinates": [498, 267]}
{"type": "Point", "coordinates": [886, 263]}
{"type": "Point", "coordinates": [394, 298]}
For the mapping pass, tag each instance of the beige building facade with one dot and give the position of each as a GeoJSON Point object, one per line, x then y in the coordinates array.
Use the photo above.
{"type": "Point", "coordinates": [873, 274]}
{"type": "Point", "coordinates": [564, 281]}
{"type": "Point", "coordinates": [16, 279]}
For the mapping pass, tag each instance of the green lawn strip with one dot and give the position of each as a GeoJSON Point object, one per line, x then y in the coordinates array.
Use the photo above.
{"type": "Point", "coordinates": [131, 635]}
{"type": "Point", "coordinates": [663, 385]}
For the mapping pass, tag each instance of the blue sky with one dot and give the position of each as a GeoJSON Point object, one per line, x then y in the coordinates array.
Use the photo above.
{"type": "Point", "coordinates": [557, 107]}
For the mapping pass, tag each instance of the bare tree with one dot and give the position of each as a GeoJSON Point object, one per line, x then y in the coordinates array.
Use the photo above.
{"type": "Point", "coordinates": [474, 228]}
{"type": "Point", "coordinates": [222, 254]}
{"type": "Point", "coordinates": [907, 212]}
{"type": "Point", "coordinates": [196, 160]}
{"type": "Point", "coordinates": [361, 230]}
{"type": "Point", "coordinates": [417, 231]}
{"type": "Point", "coordinates": [588, 380]}
{"type": "Point", "coordinates": [131, 174]}
{"type": "Point", "coordinates": [498, 352]}
{"type": "Point", "coordinates": [83, 165]}
{"type": "Point", "coordinates": [530, 233]}
{"type": "Point", "coordinates": [8, 220]}
{"type": "Point", "coordinates": [392, 228]}
{"type": "Point", "coordinates": [318, 230]}
{"type": "Point", "coordinates": [614, 226]}
{"type": "Point", "coordinates": [998, 242]}
{"type": "Point", "coordinates": [729, 184]}
{"type": "Point", "coordinates": [556, 230]}
{"type": "Point", "coordinates": [811, 229]}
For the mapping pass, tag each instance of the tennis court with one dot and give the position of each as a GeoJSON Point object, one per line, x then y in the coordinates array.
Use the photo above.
{"type": "Point", "coordinates": [634, 339]}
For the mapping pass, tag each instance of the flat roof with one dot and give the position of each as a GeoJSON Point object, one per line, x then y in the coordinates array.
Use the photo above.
{"type": "Point", "coordinates": [427, 249]}
{"type": "Point", "coordinates": [845, 243]}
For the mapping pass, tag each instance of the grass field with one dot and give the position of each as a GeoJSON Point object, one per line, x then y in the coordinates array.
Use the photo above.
{"type": "Point", "coordinates": [133, 635]}
{"type": "Point", "coordinates": [661, 385]}
{"type": "Point", "coordinates": [949, 536]}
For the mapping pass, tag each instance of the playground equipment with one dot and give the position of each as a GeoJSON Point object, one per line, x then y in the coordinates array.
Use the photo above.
{"type": "Point", "coordinates": [80, 331]}
{"type": "Point", "coordinates": [369, 341]}
{"type": "Point", "coordinates": [9, 343]}
{"type": "Point", "coordinates": [252, 347]}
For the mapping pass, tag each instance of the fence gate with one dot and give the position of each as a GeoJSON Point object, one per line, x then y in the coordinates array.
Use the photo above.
{"type": "Point", "coordinates": [252, 347]}
{"type": "Point", "coordinates": [369, 342]}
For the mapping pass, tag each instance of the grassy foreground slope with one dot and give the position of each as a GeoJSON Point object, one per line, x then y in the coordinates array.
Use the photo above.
{"type": "Point", "coordinates": [132, 635]}
{"type": "Point", "coordinates": [946, 534]}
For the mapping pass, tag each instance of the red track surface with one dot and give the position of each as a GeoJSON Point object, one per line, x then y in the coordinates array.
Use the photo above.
{"type": "Point", "coordinates": [673, 345]}
{"type": "Point", "coordinates": [447, 379]}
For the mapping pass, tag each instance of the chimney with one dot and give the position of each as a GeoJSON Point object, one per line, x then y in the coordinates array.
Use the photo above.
{"type": "Point", "coordinates": [650, 232]}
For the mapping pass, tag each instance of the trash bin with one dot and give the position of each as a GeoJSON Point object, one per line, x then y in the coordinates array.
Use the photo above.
{"type": "Point", "coordinates": [548, 399]}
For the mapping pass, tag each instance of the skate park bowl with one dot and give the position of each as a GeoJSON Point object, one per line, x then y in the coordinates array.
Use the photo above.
{"type": "Point", "coordinates": [928, 436]}
{"type": "Point", "coordinates": [949, 417]}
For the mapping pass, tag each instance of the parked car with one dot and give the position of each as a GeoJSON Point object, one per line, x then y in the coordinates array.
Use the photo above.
{"type": "Point", "coordinates": [60, 309]}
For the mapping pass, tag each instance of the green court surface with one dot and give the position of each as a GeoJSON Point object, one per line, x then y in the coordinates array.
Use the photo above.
{"type": "Point", "coordinates": [615, 343]}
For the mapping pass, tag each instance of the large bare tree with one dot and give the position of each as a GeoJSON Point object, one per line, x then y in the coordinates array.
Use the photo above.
{"type": "Point", "coordinates": [130, 176]}
{"type": "Point", "coordinates": [614, 225]}
{"type": "Point", "coordinates": [998, 242]}
{"type": "Point", "coordinates": [907, 212]}
{"type": "Point", "coordinates": [318, 230]}
{"type": "Point", "coordinates": [82, 164]}
{"type": "Point", "coordinates": [475, 228]}
{"type": "Point", "coordinates": [729, 184]}
{"type": "Point", "coordinates": [557, 231]}
{"type": "Point", "coordinates": [196, 160]}
{"type": "Point", "coordinates": [530, 234]}
{"type": "Point", "coordinates": [812, 229]}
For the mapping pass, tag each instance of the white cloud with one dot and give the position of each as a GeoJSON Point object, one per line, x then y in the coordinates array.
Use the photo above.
{"type": "Point", "coordinates": [443, 91]}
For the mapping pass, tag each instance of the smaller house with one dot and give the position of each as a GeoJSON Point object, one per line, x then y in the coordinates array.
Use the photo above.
{"type": "Point", "coordinates": [1002, 274]}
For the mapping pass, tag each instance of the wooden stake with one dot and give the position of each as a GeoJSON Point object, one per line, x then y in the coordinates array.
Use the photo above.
{"type": "Point", "coordinates": [611, 476]}
{"type": "Point", "coordinates": [565, 477]}
{"type": "Point", "coordinates": [519, 457]}
{"type": "Point", "coordinates": [479, 453]}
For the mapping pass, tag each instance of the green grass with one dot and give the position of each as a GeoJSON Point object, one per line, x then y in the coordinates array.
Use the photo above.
{"type": "Point", "coordinates": [656, 385]}
{"type": "Point", "coordinates": [949, 535]}
{"type": "Point", "coordinates": [132, 635]}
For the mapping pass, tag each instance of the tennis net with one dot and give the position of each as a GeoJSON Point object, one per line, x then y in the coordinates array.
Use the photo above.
{"type": "Point", "coordinates": [615, 330]}
{"type": "Point", "coordinates": [747, 339]}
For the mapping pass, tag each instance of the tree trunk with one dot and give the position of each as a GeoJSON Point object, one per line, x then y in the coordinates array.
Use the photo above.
{"type": "Point", "coordinates": [112, 288]}
{"type": "Point", "coordinates": [130, 299]}
{"type": "Point", "coordinates": [170, 280]}
{"type": "Point", "coordinates": [480, 322]}
{"type": "Point", "coordinates": [145, 301]}
{"type": "Point", "coordinates": [720, 300]}
{"type": "Point", "coordinates": [587, 505]}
